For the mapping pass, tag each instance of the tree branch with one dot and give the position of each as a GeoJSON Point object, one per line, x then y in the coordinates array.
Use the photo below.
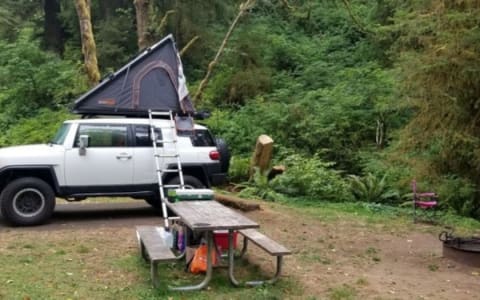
{"type": "Point", "coordinates": [243, 8]}
{"type": "Point", "coordinates": [354, 18]}
{"type": "Point", "coordinates": [188, 45]}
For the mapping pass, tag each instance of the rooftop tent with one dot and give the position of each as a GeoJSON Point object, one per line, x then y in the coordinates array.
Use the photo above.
{"type": "Point", "coordinates": [153, 80]}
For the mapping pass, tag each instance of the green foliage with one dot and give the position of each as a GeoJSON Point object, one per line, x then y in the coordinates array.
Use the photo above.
{"type": "Point", "coordinates": [311, 177]}
{"type": "Point", "coordinates": [259, 187]}
{"type": "Point", "coordinates": [239, 167]}
{"type": "Point", "coordinates": [458, 195]}
{"type": "Point", "coordinates": [436, 51]}
{"type": "Point", "coordinates": [32, 79]}
{"type": "Point", "coordinates": [38, 129]}
{"type": "Point", "coordinates": [308, 93]}
{"type": "Point", "coordinates": [117, 39]}
{"type": "Point", "coordinates": [369, 188]}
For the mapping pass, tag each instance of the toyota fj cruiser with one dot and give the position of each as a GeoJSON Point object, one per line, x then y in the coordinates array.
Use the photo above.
{"type": "Point", "coordinates": [103, 157]}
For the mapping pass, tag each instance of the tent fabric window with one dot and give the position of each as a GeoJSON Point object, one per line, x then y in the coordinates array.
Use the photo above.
{"type": "Point", "coordinates": [156, 76]}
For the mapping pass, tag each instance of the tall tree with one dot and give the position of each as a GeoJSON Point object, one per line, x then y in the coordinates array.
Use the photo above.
{"type": "Point", "coordinates": [53, 31]}
{"type": "Point", "coordinates": [89, 48]}
{"type": "Point", "coordinates": [141, 9]}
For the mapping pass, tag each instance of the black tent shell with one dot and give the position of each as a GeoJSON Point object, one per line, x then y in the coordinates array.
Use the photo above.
{"type": "Point", "coordinates": [153, 80]}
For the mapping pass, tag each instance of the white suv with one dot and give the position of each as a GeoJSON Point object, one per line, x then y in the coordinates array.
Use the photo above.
{"type": "Point", "coordinates": [118, 160]}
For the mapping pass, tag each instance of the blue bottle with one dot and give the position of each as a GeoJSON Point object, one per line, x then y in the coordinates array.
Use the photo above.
{"type": "Point", "coordinates": [181, 240]}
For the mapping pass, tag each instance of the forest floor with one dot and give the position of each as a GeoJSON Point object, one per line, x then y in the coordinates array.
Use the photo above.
{"type": "Point", "coordinates": [89, 251]}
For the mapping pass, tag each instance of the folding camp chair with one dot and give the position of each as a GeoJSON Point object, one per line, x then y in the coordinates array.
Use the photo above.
{"type": "Point", "coordinates": [426, 201]}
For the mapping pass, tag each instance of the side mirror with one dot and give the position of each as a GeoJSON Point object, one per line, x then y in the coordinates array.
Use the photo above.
{"type": "Point", "coordinates": [83, 144]}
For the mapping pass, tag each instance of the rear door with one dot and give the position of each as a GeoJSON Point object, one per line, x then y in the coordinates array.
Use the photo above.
{"type": "Point", "coordinates": [144, 162]}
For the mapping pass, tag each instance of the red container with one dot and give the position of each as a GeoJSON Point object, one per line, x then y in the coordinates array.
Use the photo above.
{"type": "Point", "coordinates": [221, 239]}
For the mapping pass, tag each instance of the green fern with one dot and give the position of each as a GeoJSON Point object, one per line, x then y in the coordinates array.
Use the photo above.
{"type": "Point", "coordinates": [371, 189]}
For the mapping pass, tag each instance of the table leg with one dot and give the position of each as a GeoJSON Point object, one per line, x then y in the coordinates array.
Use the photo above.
{"type": "Point", "coordinates": [208, 275]}
{"type": "Point", "coordinates": [231, 267]}
{"type": "Point", "coordinates": [231, 261]}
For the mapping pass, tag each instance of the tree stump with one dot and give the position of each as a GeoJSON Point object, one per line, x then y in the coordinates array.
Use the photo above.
{"type": "Point", "coordinates": [262, 154]}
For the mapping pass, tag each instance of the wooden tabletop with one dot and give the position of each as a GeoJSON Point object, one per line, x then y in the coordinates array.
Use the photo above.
{"type": "Point", "coordinates": [210, 215]}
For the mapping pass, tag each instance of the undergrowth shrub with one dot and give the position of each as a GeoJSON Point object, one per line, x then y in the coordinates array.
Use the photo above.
{"type": "Point", "coordinates": [238, 171]}
{"type": "Point", "coordinates": [370, 188]}
{"type": "Point", "coordinates": [311, 177]}
{"type": "Point", "coordinates": [458, 194]}
{"type": "Point", "coordinates": [259, 186]}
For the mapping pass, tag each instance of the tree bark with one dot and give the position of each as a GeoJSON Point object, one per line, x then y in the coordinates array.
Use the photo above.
{"type": "Point", "coordinates": [52, 28]}
{"type": "Point", "coordinates": [89, 49]}
{"type": "Point", "coordinates": [141, 12]}
{"type": "Point", "coordinates": [262, 154]}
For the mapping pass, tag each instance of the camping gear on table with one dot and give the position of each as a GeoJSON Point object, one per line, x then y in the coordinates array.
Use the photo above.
{"type": "Point", "coordinates": [193, 194]}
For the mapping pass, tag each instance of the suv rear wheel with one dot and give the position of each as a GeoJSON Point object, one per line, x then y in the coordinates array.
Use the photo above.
{"type": "Point", "coordinates": [222, 148]}
{"type": "Point", "coordinates": [190, 182]}
{"type": "Point", "coordinates": [27, 201]}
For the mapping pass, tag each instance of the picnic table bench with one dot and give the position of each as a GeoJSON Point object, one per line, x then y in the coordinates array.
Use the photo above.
{"type": "Point", "coordinates": [268, 245]}
{"type": "Point", "coordinates": [154, 249]}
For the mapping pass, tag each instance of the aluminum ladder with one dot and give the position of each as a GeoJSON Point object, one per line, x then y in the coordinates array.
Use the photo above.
{"type": "Point", "coordinates": [158, 169]}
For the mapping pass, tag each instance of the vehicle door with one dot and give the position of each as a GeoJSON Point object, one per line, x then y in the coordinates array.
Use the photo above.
{"type": "Point", "coordinates": [144, 161]}
{"type": "Point", "coordinates": [107, 161]}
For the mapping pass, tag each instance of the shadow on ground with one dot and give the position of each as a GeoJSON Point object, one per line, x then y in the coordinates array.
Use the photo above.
{"type": "Point", "coordinates": [94, 215]}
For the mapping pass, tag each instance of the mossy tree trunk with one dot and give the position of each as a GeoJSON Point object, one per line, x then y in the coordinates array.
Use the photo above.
{"type": "Point", "coordinates": [141, 13]}
{"type": "Point", "coordinates": [89, 49]}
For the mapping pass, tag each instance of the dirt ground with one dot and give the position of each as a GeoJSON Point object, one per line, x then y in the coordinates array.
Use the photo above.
{"type": "Point", "coordinates": [330, 258]}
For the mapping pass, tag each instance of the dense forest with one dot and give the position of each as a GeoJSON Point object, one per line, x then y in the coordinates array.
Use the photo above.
{"type": "Point", "coordinates": [360, 96]}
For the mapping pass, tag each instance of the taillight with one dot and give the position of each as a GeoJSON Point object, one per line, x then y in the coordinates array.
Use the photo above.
{"type": "Point", "coordinates": [214, 155]}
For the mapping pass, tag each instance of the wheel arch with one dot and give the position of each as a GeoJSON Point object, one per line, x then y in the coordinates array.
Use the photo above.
{"type": "Point", "coordinates": [45, 173]}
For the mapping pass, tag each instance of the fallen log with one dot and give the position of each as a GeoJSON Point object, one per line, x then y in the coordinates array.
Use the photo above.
{"type": "Point", "coordinates": [236, 202]}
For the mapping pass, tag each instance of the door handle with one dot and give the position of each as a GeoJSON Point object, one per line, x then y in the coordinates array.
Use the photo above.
{"type": "Point", "coordinates": [124, 156]}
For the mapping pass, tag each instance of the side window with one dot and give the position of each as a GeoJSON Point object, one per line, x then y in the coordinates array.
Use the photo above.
{"type": "Point", "coordinates": [202, 138]}
{"type": "Point", "coordinates": [103, 135]}
{"type": "Point", "coordinates": [142, 136]}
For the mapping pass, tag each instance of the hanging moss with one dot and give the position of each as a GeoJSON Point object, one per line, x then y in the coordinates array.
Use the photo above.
{"type": "Point", "coordinates": [89, 49]}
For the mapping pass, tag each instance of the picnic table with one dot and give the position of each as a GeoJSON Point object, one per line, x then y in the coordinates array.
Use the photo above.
{"type": "Point", "coordinates": [206, 217]}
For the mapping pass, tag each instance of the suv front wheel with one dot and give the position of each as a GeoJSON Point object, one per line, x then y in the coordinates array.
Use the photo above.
{"type": "Point", "coordinates": [27, 201]}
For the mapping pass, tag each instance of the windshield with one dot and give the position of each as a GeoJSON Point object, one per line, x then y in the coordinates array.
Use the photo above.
{"type": "Point", "coordinates": [61, 134]}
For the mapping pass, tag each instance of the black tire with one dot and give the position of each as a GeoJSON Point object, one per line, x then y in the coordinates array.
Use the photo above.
{"type": "Point", "coordinates": [27, 201]}
{"type": "Point", "coordinates": [222, 148]}
{"type": "Point", "coordinates": [190, 182]}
